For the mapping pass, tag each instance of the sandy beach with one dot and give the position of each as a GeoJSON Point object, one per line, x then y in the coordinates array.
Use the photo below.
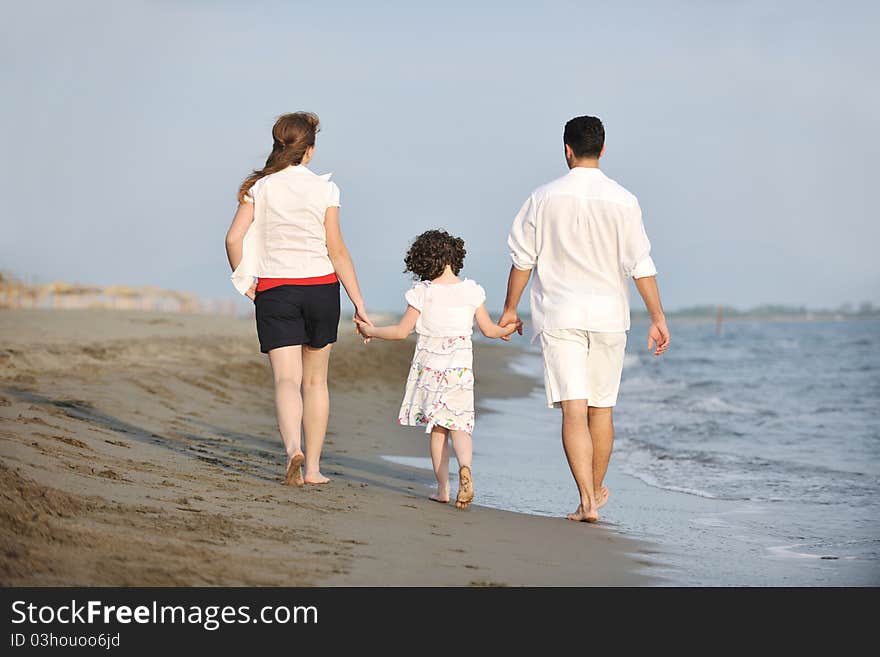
{"type": "Point", "coordinates": [141, 449]}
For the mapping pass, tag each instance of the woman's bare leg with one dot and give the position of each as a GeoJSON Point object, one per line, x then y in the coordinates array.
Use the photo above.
{"type": "Point", "coordinates": [316, 409]}
{"type": "Point", "coordinates": [440, 460]}
{"type": "Point", "coordinates": [287, 369]}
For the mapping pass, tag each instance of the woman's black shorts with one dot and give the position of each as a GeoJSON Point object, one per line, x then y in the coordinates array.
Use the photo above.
{"type": "Point", "coordinates": [297, 314]}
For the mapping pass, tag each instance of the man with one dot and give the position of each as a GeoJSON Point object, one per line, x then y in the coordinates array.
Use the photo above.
{"type": "Point", "coordinates": [583, 235]}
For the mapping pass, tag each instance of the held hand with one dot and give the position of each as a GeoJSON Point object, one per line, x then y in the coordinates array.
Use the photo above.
{"type": "Point", "coordinates": [360, 313]}
{"type": "Point", "coordinates": [510, 317]}
{"type": "Point", "coordinates": [510, 329]}
{"type": "Point", "coordinates": [361, 318]}
{"type": "Point", "coordinates": [363, 329]}
{"type": "Point", "coordinates": [658, 336]}
{"type": "Point", "coordinates": [251, 292]}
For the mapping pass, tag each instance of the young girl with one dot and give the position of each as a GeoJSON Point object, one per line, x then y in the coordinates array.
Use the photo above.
{"type": "Point", "coordinates": [285, 247]}
{"type": "Point", "coordinates": [440, 386]}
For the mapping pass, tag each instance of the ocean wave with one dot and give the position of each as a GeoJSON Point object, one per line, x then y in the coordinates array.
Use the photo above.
{"type": "Point", "coordinates": [697, 360]}
{"type": "Point", "coordinates": [719, 405]}
{"type": "Point", "coordinates": [641, 382]}
{"type": "Point", "coordinates": [654, 482]}
{"type": "Point", "coordinates": [706, 383]}
{"type": "Point", "coordinates": [716, 405]}
{"type": "Point", "coordinates": [731, 476]}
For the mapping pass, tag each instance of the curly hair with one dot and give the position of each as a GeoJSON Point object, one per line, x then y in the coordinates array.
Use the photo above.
{"type": "Point", "coordinates": [431, 252]}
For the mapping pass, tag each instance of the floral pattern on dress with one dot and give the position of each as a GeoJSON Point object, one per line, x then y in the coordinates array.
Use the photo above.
{"type": "Point", "coordinates": [440, 385]}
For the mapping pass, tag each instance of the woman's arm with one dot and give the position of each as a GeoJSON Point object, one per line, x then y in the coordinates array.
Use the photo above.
{"type": "Point", "coordinates": [492, 330]}
{"type": "Point", "coordinates": [342, 263]}
{"type": "Point", "coordinates": [398, 332]}
{"type": "Point", "coordinates": [242, 220]}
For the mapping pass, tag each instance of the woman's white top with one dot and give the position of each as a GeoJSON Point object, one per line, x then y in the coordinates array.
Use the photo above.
{"type": "Point", "coordinates": [287, 237]}
{"type": "Point", "coordinates": [446, 310]}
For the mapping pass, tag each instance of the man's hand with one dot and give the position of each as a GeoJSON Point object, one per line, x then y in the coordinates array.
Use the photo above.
{"type": "Point", "coordinates": [252, 291]}
{"type": "Point", "coordinates": [510, 317]}
{"type": "Point", "coordinates": [516, 283]}
{"type": "Point", "coordinates": [658, 336]}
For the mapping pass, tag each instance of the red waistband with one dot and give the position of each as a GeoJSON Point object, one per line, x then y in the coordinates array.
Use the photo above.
{"type": "Point", "coordinates": [264, 284]}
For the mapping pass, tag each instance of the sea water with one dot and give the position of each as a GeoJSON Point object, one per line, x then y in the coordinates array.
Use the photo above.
{"type": "Point", "coordinates": [751, 457]}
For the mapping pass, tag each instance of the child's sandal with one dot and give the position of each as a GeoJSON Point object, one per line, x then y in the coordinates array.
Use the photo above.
{"type": "Point", "coordinates": [465, 488]}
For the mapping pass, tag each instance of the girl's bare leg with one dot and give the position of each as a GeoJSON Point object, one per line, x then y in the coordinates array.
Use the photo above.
{"type": "Point", "coordinates": [287, 370]}
{"type": "Point", "coordinates": [316, 408]}
{"type": "Point", "coordinates": [440, 460]}
{"type": "Point", "coordinates": [463, 446]}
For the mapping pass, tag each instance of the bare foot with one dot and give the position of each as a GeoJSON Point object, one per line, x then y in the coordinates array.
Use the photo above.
{"type": "Point", "coordinates": [442, 494]}
{"type": "Point", "coordinates": [294, 470]}
{"type": "Point", "coordinates": [315, 478]}
{"type": "Point", "coordinates": [465, 488]}
{"type": "Point", "coordinates": [582, 515]}
{"type": "Point", "coordinates": [602, 497]}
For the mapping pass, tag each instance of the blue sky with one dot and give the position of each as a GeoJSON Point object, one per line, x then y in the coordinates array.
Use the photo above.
{"type": "Point", "coordinates": [749, 132]}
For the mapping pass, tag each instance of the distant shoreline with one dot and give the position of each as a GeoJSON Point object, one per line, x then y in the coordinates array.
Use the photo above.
{"type": "Point", "coordinates": [642, 318]}
{"type": "Point", "coordinates": [59, 295]}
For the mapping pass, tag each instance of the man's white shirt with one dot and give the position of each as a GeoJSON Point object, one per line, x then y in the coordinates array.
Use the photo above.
{"type": "Point", "coordinates": [583, 235]}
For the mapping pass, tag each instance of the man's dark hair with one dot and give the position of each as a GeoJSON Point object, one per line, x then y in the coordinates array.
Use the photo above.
{"type": "Point", "coordinates": [585, 135]}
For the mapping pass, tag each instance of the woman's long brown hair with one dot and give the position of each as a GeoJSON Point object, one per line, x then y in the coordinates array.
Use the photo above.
{"type": "Point", "coordinates": [293, 135]}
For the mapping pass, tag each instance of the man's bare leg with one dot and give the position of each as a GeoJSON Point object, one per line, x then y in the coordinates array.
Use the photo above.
{"type": "Point", "coordinates": [601, 425]}
{"type": "Point", "coordinates": [579, 451]}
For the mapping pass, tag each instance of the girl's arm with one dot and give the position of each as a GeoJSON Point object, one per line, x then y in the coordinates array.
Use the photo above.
{"type": "Point", "coordinates": [242, 220]}
{"type": "Point", "coordinates": [489, 328]}
{"type": "Point", "coordinates": [342, 263]}
{"type": "Point", "coordinates": [398, 332]}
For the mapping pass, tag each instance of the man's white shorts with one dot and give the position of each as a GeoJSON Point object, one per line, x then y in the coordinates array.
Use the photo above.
{"type": "Point", "coordinates": [582, 364]}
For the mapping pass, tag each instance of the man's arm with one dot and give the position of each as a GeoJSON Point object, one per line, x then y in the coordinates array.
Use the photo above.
{"type": "Point", "coordinates": [658, 333]}
{"type": "Point", "coordinates": [523, 253]}
{"type": "Point", "coordinates": [516, 283]}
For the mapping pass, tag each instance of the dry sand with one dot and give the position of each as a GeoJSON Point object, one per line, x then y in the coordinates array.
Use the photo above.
{"type": "Point", "coordinates": [141, 449]}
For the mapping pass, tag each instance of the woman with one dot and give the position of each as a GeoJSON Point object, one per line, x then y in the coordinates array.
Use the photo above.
{"type": "Point", "coordinates": [287, 255]}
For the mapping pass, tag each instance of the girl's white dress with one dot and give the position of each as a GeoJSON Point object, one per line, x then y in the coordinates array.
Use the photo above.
{"type": "Point", "coordinates": [440, 385]}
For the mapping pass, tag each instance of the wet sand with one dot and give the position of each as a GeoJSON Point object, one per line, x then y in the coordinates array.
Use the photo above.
{"type": "Point", "coordinates": [141, 449]}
